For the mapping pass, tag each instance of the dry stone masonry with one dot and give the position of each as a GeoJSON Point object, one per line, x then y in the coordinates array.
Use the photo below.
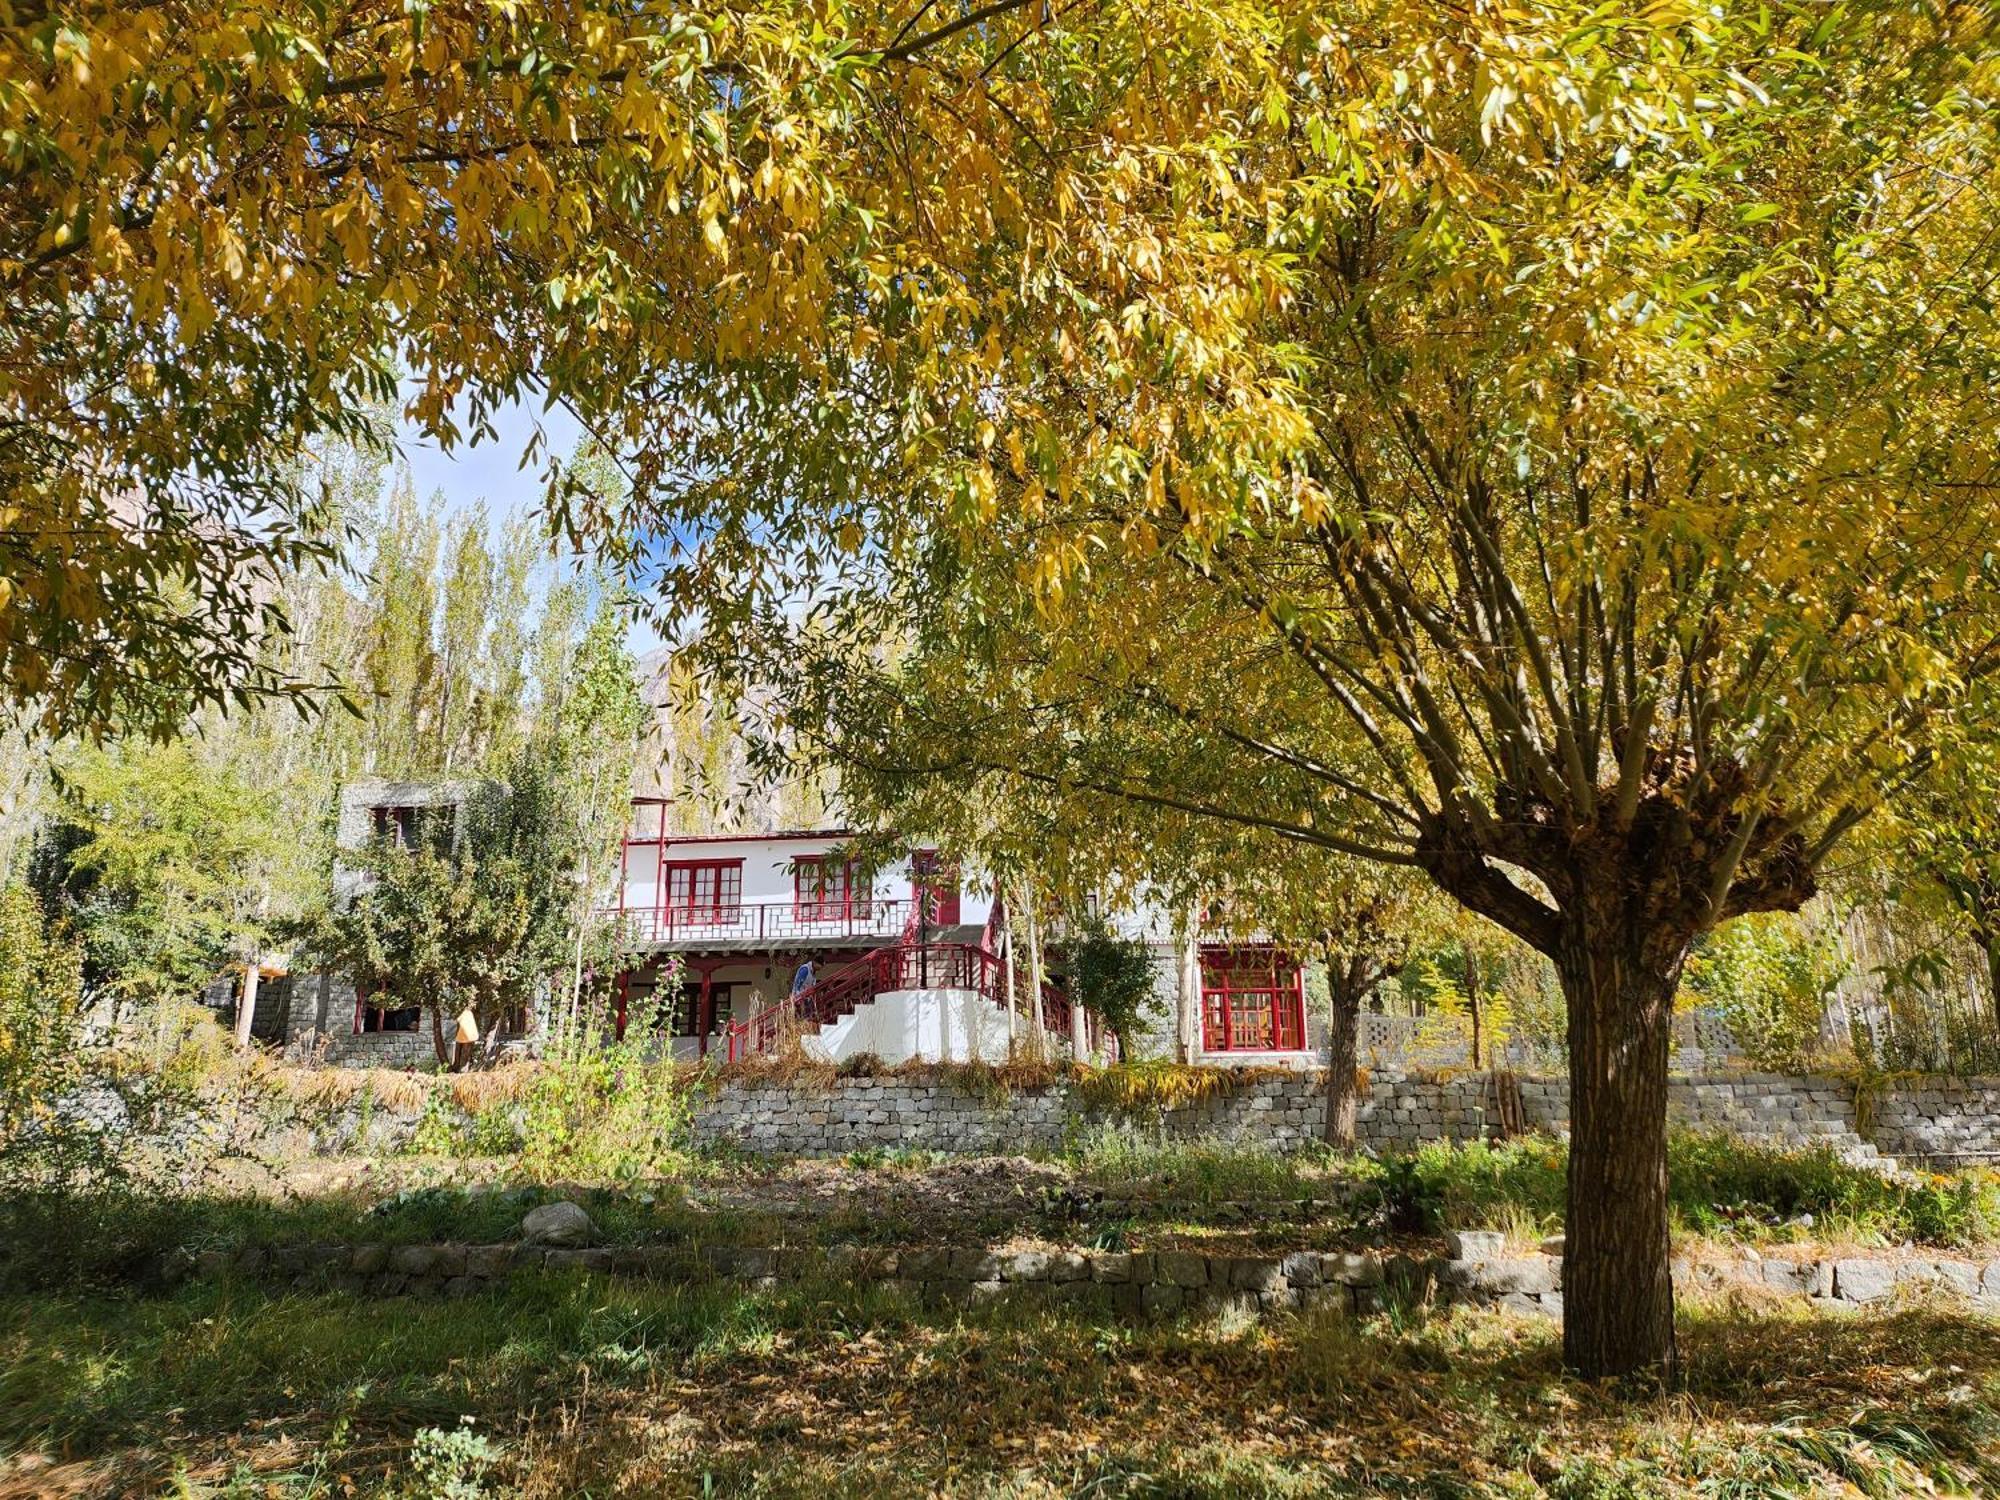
{"type": "Point", "coordinates": [1911, 1119]}
{"type": "Point", "coordinates": [1130, 1283]}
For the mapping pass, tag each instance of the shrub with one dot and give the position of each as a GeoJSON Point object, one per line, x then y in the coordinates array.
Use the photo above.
{"type": "Point", "coordinates": [1717, 1183]}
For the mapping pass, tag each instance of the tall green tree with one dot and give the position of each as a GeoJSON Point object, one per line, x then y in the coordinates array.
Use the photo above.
{"type": "Point", "coordinates": [168, 864]}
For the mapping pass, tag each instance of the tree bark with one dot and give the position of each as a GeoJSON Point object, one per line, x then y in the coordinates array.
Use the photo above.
{"type": "Point", "coordinates": [436, 1008]}
{"type": "Point", "coordinates": [1472, 1000]}
{"type": "Point", "coordinates": [1343, 1053]}
{"type": "Point", "coordinates": [1187, 991]}
{"type": "Point", "coordinates": [246, 1007]}
{"type": "Point", "coordinates": [1618, 1295]}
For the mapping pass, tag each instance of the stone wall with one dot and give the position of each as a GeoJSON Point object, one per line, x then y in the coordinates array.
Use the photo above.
{"type": "Point", "coordinates": [1285, 1111]}
{"type": "Point", "coordinates": [1133, 1283]}
{"type": "Point", "coordinates": [1943, 1119]}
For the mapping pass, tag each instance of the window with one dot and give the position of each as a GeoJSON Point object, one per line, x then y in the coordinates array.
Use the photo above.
{"type": "Point", "coordinates": [1252, 1000]}
{"type": "Point", "coordinates": [826, 892]}
{"type": "Point", "coordinates": [705, 892]}
{"type": "Point", "coordinates": [398, 825]}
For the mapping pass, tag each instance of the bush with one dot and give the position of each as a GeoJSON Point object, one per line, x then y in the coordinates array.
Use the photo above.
{"type": "Point", "coordinates": [1716, 1183]}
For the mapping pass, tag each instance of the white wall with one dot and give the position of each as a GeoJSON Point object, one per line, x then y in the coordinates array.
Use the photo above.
{"type": "Point", "coordinates": [767, 870]}
{"type": "Point", "coordinates": [917, 1025]}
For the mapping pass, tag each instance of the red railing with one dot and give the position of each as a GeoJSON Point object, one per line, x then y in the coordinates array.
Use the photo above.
{"type": "Point", "coordinates": [762, 921]}
{"type": "Point", "coordinates": [906, 966]}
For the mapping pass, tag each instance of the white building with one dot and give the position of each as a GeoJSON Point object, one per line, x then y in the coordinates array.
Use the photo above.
{"type": "Point", "coordinates": [910, 958]}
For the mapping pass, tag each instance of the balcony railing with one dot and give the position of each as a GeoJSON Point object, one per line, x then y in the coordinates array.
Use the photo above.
{"type": "Point", "coordinates": [766, 921]}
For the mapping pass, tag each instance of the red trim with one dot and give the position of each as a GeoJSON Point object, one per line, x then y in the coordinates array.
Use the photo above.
{"type": "Point", "coordinates": [831, 835]}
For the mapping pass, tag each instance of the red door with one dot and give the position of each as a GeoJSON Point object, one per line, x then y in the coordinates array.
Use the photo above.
{"type": "Point", "coordinates": [934, 888]}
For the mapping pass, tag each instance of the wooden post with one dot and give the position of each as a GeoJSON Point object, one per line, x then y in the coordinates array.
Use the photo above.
{"type": "Point", "coordinates": [705, 1020]}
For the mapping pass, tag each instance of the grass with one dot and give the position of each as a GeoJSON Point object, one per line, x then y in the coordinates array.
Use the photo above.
{"type": "Point", "coordinates": [1720, 1187]}
{"type": "Point", "coordinates": [596, 1387]}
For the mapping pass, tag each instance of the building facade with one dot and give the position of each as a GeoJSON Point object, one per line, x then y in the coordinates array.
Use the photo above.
{"type": "Point", "coordinates": [740, 939]}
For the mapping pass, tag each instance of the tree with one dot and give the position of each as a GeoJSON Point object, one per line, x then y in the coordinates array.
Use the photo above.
{"type": "Point", "coordinates": [41, 1051]}
{"type": "Point", "coordinates": [1110, 975]}
{"type": "Point", "coordinates": [476, 913]}
{"type": "Point", "coordinates": [223, 222]}
{"type": "Point", "coordinates": [164, 860]}
{"type": "Point", "coordinates": [1579, 421]}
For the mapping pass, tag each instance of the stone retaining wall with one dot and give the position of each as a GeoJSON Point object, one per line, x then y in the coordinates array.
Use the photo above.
{"type": "Point", "coordinates": [1132, 1283]}
{"type": "Point", "coordinates": [1286, 1111]}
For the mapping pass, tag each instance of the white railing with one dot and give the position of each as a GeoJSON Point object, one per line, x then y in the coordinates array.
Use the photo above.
{"type": "Point", "coordinates": [765, 921]}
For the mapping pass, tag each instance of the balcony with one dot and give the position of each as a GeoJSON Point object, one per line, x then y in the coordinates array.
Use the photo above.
{"type": "Point", "coordinates": [751, 924]}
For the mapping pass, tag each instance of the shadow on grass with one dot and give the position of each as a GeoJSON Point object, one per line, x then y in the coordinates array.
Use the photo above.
{"type": "Point", "coordinates": [607, 1386]}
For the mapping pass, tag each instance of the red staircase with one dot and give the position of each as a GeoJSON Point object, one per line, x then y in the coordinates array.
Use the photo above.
{"type": "Point", "coordinates": [904, 966]}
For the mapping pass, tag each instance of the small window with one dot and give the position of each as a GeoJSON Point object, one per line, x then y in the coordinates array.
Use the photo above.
{"type": "Point", "coordinates": [396, 825]}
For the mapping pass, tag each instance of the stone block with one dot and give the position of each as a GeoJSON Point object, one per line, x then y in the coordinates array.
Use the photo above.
{"type": "Point", "coordinates": [1350, 1269]}
{"type": "Point", "coordinates": [1181, 1268]}
{"type": "Point", "coordinates": [1989, 1279]}
{"type": "Point", "coordinates": [1111, 1266]}
{"type": "Point", "coordinates": [1301, 1268]}
{"type": "Point", "coordinates": [1863, 1280]}
{"type": "Point", "coordinates": [1808, 1278]}
{"type": "Point", "coordinates": [1256, 1273]}
{"type": "Point", "coordinates": [413, 1260]}
{"type": "Point", "coordinates": [1068, 1265]}
{"type": "Point", "coordinates": [450, 1261]}
{"type": "Point", "coordinates": [1024, 1265]}
{"type": "Point", "coordinates": [1160, 1297]}
{"type": "Point", "coordinates": [251, 1260]}
{"type": "Point", "coordinates": [1955, 1276]}
{"type": "Point", "coordinates": [927, 1265]}
{"type": "Point", "coordinates": [487, 1260]}
{"type": "Point", "coordinates": [557, 1224]}
{"type": "Point", "coordinates": [461, 1286]}
{"type": "Point", "coordinates": [975, 1265]}
{"type": "Point", "coordinates": [211, 1263]}
{"type": "Point", "coordinates": [1526, 1275]}
{"type": "Point", "coordinates": [1476, 1244]}
{"type": "Point", "coordinates": [1330, 1297]}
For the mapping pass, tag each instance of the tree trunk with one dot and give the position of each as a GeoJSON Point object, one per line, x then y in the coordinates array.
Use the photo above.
{"type": "Point", "coordinates": [1343, 1053]}
{"type": "Point", "coordinates": [1187, 992]}
{"type": "Point", "coordinates": [1988, 934]}
{"type": "Point", "coordinates": [1618, 1295]}
{"type": "Point", "coordinates": [1039, 1018]}
{"type": "Point", "coordinates": [436, 1008]}
{"type": "Point", "coordinates": [246, 1007]}
{"type": "Point", "coordinates": [1079, 1028]}
{"type": "Point", "coordinates": [1472, 1001]}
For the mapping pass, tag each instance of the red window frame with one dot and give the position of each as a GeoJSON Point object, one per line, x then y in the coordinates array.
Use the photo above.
{"type": "Point", "coordinates": [702, 892]}
{"type": "Point", "coordinates": [1252, 1000]}
{"type": "Point", "coordinates": [823, 891]}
